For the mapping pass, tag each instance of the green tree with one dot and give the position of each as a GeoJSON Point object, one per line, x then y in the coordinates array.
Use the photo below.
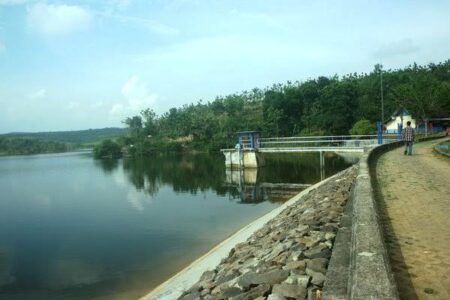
{"type": "Point", "coordinates": [134, 125]}
{"type": "Point", "coordinates": [150, 121]}
{"type": "Point", "coordinates": [325, 105]}
{"type": "Point", "coordinates": [362, 127]}
{"type": "Point", "coordinates": [337, 106]}
{"type": "Point", "coordinates": [107, 149]}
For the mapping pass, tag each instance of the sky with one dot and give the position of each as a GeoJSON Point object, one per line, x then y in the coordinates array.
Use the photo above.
{"type": "Point", "coordinates": [70, 65]}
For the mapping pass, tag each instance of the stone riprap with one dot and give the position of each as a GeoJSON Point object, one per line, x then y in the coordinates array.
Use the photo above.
{"type": "Point", "coordinates": [288, 257]}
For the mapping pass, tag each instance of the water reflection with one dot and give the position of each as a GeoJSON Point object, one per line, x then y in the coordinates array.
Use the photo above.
{"type": "Point", "coordinates": [184, 172]}
{"type": "Point", "coordinates": [107, 165]}
{"type": "Point", "coordinates": [283, 176]}
{"type": "Point", "coordinates": [72, 228]}
{"type": "Point", "coordinates": [253, 190]}
{"type": "Point", "coordinates": [6, 265]}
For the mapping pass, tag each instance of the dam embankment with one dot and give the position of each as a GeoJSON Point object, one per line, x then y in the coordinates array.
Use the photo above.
{"type": "Point", "coordinates": [325, 243]}
{"type": "Point", "coordinates": [249, 235]}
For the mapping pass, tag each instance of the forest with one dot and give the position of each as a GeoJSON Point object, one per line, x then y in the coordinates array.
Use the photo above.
{"type": "Point", "coordinates": [74, 137]}
{"type": "Point", "coordinates": [21, 146]}
{"type": "Point", "coordinates": [19, 143]}
{"type": "Point", "coordinates": [324, 105]}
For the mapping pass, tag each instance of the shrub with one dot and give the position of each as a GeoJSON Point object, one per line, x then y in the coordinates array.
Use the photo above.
{"type": "Point", "coordinates": [362, 127]}
{"type": "Point", "coordinates": [107, 149]}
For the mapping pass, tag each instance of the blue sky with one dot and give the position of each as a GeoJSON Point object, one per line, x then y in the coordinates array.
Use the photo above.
{"type": "Point", "coordinates": [89, 64]}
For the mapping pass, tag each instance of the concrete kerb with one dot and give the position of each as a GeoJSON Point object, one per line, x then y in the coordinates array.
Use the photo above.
{"type": "Point", "coordinates": [371, 276]}
{"type": "Point", "coordinates": [359, 253]}
{"type": "Point", "coordinates": [359, 267]}
{"type": "Point", "coordinates": [174, 287]}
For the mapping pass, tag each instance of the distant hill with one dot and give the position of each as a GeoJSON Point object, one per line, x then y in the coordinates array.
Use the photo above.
{"type": "Point", "coordinates": [77, 137]}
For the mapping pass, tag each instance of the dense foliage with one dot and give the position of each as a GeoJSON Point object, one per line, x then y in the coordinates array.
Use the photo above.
{"type": "Point", "coordinates": [107, 149]}
{"type": "Point", "coordinates": [314, 107]}
{"type": "Point", "coordinates": [75, 137]}
{"type": "Point", "coordinates": [18, 146]}
{"type": "Point", "coordinates": [58, 141]}
{"type": "Point", "coordinates": [362, 127]}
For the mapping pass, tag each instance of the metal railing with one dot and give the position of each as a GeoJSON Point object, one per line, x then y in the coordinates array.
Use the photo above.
{"type": "Point", "coordinates": [319, 141]}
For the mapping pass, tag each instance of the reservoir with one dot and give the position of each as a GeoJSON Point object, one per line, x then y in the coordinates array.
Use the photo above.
{"type": "Point", "coordinates": [72, 227]}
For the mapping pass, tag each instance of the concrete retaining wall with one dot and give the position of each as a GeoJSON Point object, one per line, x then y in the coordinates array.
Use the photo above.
{"type": "Point", "coordinates": [359, 267]}
{"type": "Point", "coordinates": [371, 276]}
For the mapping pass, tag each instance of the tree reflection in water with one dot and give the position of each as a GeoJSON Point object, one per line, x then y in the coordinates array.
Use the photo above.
{"type": "Point", "coordinates": [108, 165]}
{"type": "Point", "coordinates": [186, 173]}
{"type": "Point", "coordinates": [193, 173]}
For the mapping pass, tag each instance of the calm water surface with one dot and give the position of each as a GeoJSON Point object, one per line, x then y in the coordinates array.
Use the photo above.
{"type": "Point", "coordinates": [75, 228]}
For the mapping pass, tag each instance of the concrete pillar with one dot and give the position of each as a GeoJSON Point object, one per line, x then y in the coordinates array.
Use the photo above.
{"type": "Point", "coordinates": [243, 158]}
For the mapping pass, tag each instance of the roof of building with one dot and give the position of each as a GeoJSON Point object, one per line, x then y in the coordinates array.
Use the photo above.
{"type": "Point", "coordinates": [246, 132]}
{"type": "Point", "coordinates": [400, 112]}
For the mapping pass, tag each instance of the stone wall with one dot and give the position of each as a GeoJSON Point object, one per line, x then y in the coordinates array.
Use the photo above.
{"type": "Point", "coordinates": [288, 257]}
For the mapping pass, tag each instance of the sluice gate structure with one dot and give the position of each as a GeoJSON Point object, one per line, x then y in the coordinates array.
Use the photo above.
{"type": "Point", "coordinates": [250, 147]}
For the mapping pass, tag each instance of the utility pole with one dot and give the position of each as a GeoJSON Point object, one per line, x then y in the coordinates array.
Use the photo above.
{"type": "Point", "coordinates": [382, 100]}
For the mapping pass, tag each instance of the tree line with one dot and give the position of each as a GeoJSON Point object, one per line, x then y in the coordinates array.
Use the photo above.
{"type": "Point", "coordinates": [75, 138]}
{"type": "Point", "coordinates": [23, 143]}
{"type": "Point", "coordinates": [21, 146]}
{"type": "Point", "coordinates": [324, 105]}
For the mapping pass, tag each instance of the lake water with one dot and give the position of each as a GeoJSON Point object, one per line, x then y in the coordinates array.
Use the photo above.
{"type": "Point", "coordinates": [72, 227]}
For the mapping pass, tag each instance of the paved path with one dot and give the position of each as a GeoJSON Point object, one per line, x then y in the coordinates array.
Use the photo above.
{"type": "Point", "coordinates": [415, 204]}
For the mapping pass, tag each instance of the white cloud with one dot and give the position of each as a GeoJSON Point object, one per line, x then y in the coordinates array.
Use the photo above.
{"type": "Point", "coordinates": [222, 55]}
{"type": "Point", "coordinates": [117, 110]}
{"type": "Point", "coordinates": [41, 93]}
{"type": "Point", "coordinates": [136, 98]}
{"type": "Point", "coordinates": [57, 19]}
{"type": "Point", "coordinates": [136, 199]}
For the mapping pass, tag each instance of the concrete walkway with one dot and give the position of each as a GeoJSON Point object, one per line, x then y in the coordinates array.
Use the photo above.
{"type": "Point", "coordinates": [415, 205]}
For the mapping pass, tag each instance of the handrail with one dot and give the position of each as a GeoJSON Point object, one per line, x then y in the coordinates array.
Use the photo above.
{"type": "Point", "coordinates": [318, 136]}
{"type": "Point", "coordinates": [315, 141]}
{"type": "Point", "coordinates": [335, 141]}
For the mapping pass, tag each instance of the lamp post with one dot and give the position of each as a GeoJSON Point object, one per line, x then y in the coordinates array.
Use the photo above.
{"type": "Point", "coordinates": [381, 91]}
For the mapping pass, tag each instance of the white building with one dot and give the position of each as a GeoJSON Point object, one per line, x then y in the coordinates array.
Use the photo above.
{"type": "Point", "coordinates": [401, 116]}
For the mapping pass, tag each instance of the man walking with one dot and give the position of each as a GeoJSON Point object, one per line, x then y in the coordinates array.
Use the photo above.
{"type": "Point", "coordinates": [408, 137]}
